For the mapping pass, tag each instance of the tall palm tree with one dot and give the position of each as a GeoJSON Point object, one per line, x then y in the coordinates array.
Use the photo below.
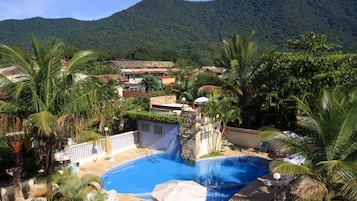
{"type": "Point", "coordinates": [328, 143]}
{"type": "Point", "coordinates": [240, 57]}
{"type": "Point", "coordinates": [50, 100]}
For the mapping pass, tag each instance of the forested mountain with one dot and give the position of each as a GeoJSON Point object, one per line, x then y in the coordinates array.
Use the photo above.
{"type": "Point", "coordinates": [183, 26]}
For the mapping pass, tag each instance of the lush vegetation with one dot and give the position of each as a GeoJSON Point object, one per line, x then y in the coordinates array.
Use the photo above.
{"type": "Point", "coordinates": [66, 185]}
{"type": "Point", "coordinates": [328, 143]}
{"type": "Point", "coordinates": [151, 116]}
{"type": "Point", "coordinates": [150, 83]}
{"type": "Point", "coordinates": [172, 29]}
{"type": "Point", "coordinates": [52, 101]}
{"type": "Point", "coordinates": [260, 87]}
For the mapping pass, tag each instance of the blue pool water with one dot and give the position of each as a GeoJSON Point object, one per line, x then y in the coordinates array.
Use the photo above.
{"type": "Point", "coordinates": [223, 176]}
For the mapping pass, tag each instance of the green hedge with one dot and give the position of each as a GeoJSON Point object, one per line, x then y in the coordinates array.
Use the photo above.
{"type": "Point", "coordinates": [150, 116]}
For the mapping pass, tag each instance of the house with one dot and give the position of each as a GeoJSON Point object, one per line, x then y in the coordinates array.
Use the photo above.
{"type": "Point", "coordinates": [165, 103]}
{"type": "Point", "coordinates": [134, 71]}
{"type": "Point", "coordinates": [196, 134]}
{"type": "Point", "coordinates": [111, 77]}
{"type": "Point", "coordinates": [12, 74]}
{"type": "Point", "coordinates": [166, 81]}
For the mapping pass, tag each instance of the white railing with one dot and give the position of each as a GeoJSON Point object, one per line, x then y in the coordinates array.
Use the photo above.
{"type": "Point", "coordinates": [89, 151]}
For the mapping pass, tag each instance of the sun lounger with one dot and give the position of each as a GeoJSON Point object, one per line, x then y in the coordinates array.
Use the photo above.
{"type": "Point", "coordinates": [294, 158]}
{"type": "Point", "coordinates": [263, 146]}
{"type": "Point", "coordinates": [227, 143]}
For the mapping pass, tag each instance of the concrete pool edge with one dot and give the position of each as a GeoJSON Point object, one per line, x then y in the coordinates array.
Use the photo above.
{"type": "Point", "coordinates": [254, 160]}
{"type": "Point", "coordinates": [101, 165]}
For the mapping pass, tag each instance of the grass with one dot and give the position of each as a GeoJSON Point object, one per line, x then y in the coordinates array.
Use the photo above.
{"type": "Point", "coordinates": [213, 154]}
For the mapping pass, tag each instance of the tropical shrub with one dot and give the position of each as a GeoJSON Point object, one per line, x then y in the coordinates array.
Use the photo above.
{"type": "Point", "coordinates": [151, 116]}
{"type": "Point", "coordinates": [328, 142]}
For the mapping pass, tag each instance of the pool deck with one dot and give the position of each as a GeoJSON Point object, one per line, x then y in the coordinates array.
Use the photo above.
{"type": "Point", "coordinates": [256, 190]}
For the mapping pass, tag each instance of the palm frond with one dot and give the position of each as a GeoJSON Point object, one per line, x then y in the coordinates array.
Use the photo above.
{"type": "Point", "coordinates": [71, 187]}
{"type": "Point", "coordinates": [10, 123]}
{"type": "Point", "coordinates": [350, 151]}
{"type": "Point", "coordinates": [81, 102]}
{"type": "Point", "coordinates": [290, 168]}
{"type": "Point", "coordinates": [15, 57]}
{"type": "Point", "coordinates": [349, 185]}
{"type": "Point", "coordinates": [310, 120]}
{"type": "Point", "coordinates": [8, 107]}
{"type": "Point", "coordinates": [68, 125]}
{"type": "Point", "coordinates": [78, 61]}
{"type": "Point", "coordinates": [346, 133]}
{"type": "Point", "coordinates": [283, 140]}
{"type": "Point", "coordinates": [338, 165]}
{"type": "Point", "coordinates": [269, 133]}
{"type": "Point", "coordinates": [44, 122]}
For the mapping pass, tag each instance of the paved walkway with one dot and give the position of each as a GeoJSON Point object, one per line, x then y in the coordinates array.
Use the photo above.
{"type": "Point", "coordinates": [255, 191]}
{"type": "Point", "coordinates": [101, 165]}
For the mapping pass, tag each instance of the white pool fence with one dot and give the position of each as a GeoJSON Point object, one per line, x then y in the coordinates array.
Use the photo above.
{"type": "Point", "coordinates": [90, 151]}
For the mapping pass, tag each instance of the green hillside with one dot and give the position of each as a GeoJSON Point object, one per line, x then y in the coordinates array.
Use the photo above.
{"type": "Point", "coordinates": [182, 26]}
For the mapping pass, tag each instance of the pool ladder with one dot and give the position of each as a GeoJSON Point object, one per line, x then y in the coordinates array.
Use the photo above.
{"type": "Point", "coordinates": [152, 158]}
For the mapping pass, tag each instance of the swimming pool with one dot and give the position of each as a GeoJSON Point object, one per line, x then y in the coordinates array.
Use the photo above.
{"type": "Point", "coordinates": [223, 176]}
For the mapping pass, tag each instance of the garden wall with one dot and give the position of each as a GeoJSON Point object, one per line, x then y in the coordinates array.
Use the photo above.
{"type": "Point", "coordinates": [161, 136]}
{"type": "Point", "coordinates": [246, 138]}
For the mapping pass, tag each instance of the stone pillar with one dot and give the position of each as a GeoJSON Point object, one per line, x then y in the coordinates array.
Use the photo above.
{"type": "Point", "coordinates": [190, 135]}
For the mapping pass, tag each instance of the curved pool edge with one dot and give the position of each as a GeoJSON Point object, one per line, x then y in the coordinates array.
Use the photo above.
{"type": "Point", "coordinates": [128, 161]}
{"type": "Point", "coordinates": [147, 196]}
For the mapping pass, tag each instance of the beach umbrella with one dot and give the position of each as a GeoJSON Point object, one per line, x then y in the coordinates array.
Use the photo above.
{"type": "Point", "coordinates": [201, 100]}
{"type": "Point", "coordinates": [183, 190]}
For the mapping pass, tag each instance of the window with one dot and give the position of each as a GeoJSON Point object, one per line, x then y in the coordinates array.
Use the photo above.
{"type": "Point", "coordinates": [145, 127]}
{"type": "Point", "coordinates": [157, 130]}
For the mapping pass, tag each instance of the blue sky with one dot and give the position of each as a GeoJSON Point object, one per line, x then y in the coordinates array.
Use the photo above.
{"type": "Point", "coordinates": [78, 9]}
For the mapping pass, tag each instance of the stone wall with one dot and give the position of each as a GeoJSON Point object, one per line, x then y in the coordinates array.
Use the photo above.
{"type": "Point", "coordinates": [189, 135]}
{"type": "Point", "coordinates": [192, 129]}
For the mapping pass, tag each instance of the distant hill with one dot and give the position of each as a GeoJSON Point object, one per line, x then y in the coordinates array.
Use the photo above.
{"type": "Point", "coordinates": [196, 26]}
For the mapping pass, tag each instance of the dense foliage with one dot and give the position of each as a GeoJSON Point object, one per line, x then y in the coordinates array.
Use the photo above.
{"type": "Point", "coordinates": [66, 185]}
{"type": "Point", "coordinates": [51, 102]}
{"type": "Point", "coordinates": [171, 29]}
{"type": "Point", "coordinates": [299, 74]}
{"type": "Point", "coordinates": [150, 83]}
{"type": "Point", "coordinates": [328, 144]}
{"type": "Point", "coordinates": [151, 116]}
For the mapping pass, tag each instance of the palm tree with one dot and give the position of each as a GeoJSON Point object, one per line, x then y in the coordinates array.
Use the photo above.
{"type": "Point", "coordinates": [328, 143]}
{"type": "Point", "coordinates": [68, 186]}
{"type": "Point", "coordinates": [221, 109]}
{"type": "Point", "coordinates": [50, 101]}
{"type": "Point", "coordinates": [183, 85]}
{"type": "Point", "coordinates": [241, 60]}
{"type": "Point", "coordinates": [150, 83]}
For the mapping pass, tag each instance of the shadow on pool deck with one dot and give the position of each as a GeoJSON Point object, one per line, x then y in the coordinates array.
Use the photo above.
{"type": "Point", "coordinates": [255, 191]}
